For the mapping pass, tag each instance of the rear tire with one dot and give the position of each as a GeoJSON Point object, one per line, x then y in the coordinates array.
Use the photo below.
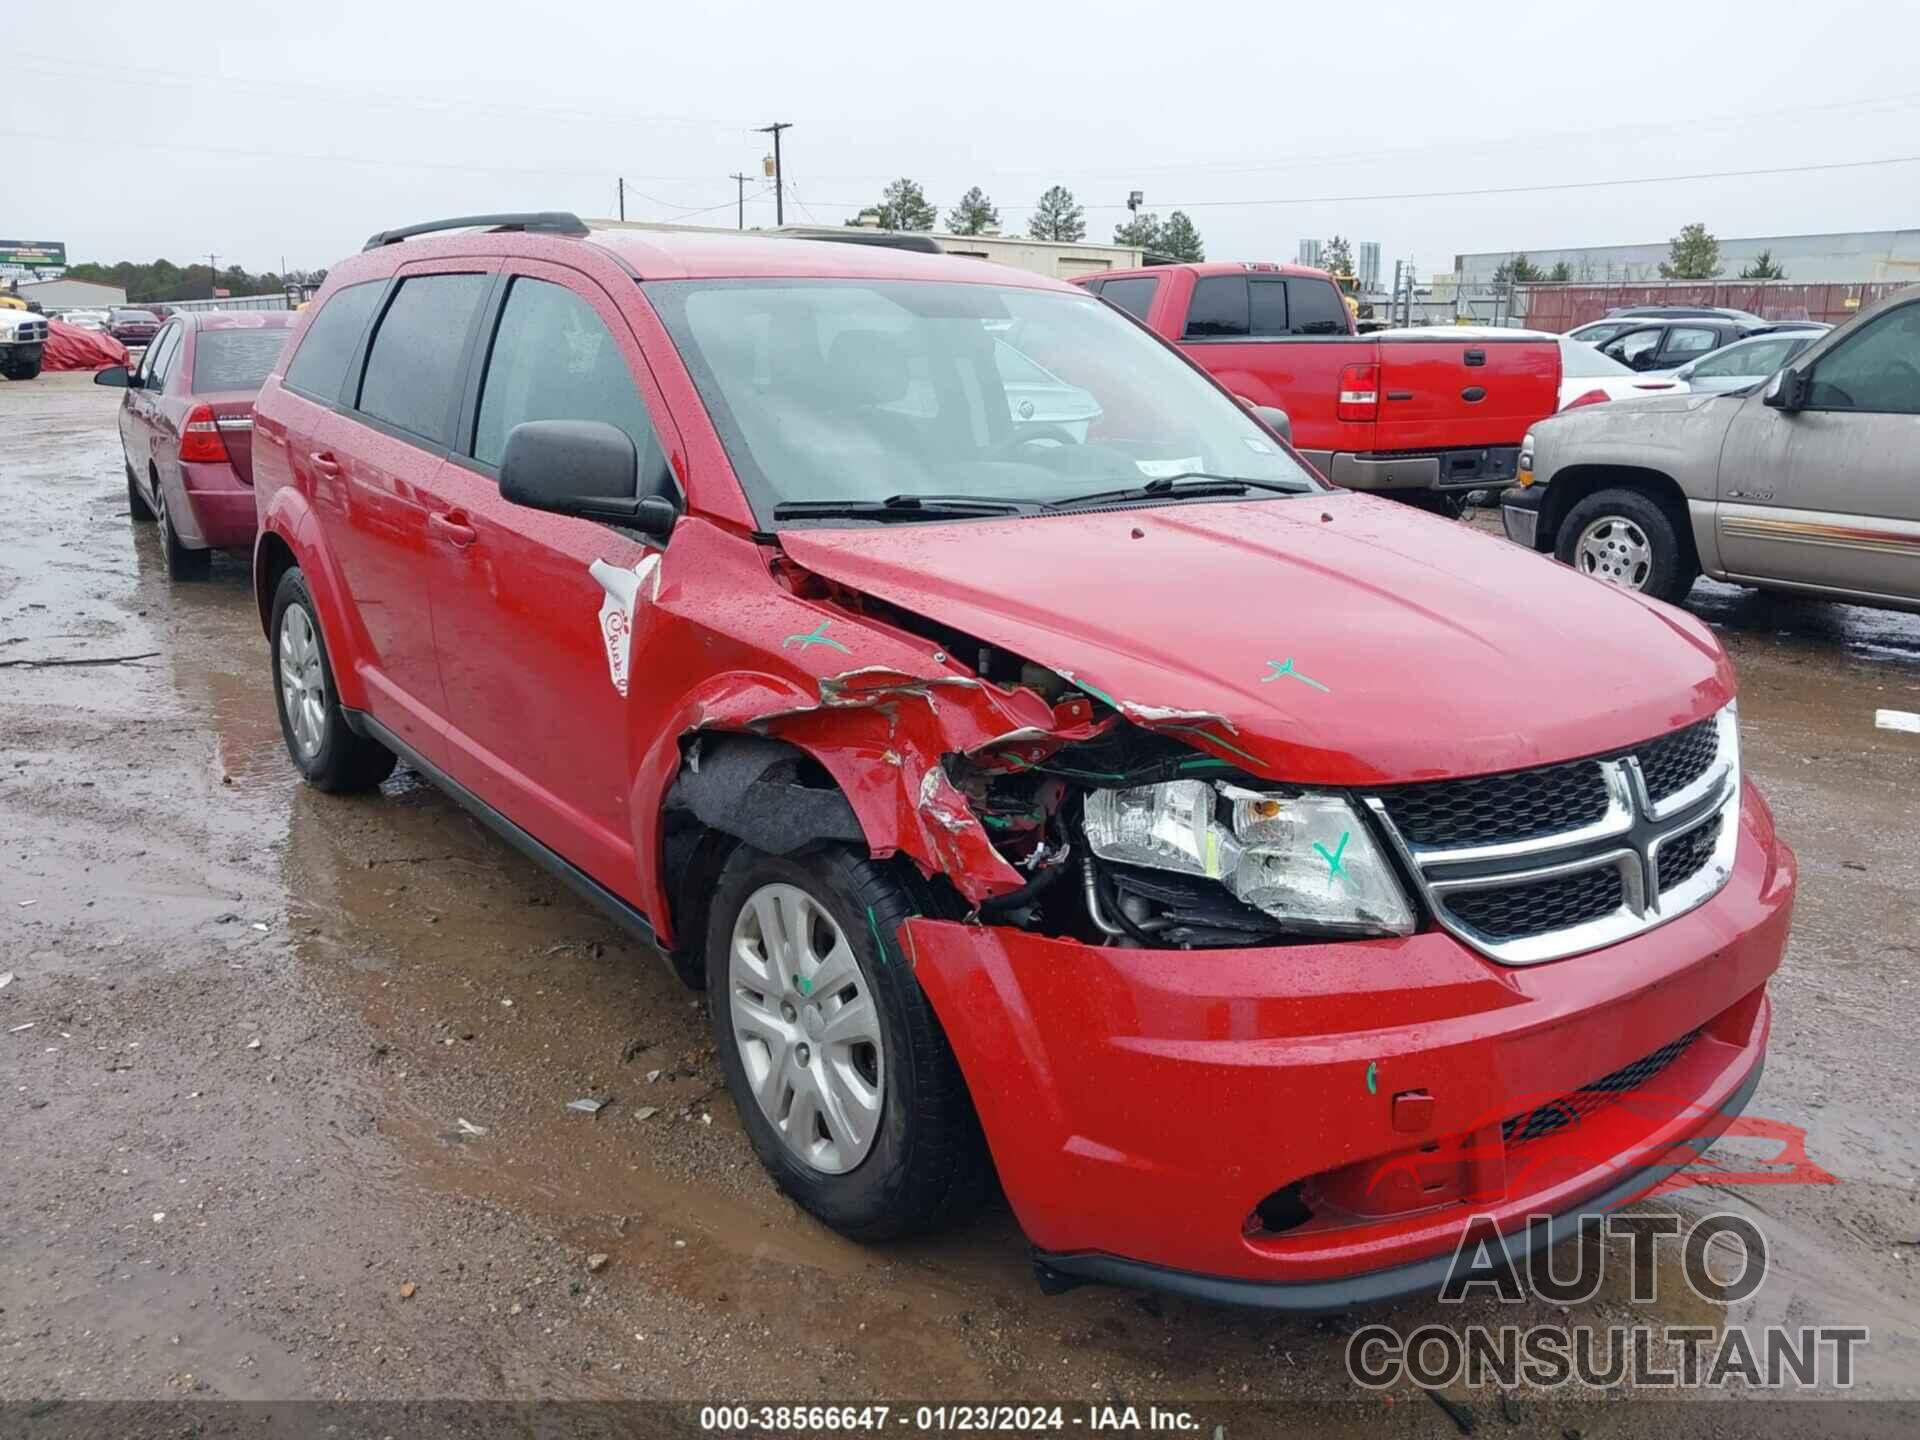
{"type": "Point", "coordinates": [182, 563]}
{"type": "Point", "coordinates": [924, 1163]}
{"type": "Point", "coordinates": [1624, 538]}
{"type": "Point", "coordinates": [324, 748]}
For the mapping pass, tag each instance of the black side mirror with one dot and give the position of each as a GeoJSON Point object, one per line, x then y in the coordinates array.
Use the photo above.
{"type": "Point", "coordinates": [1276, 420]}
{"type": "Point", "coordinates": [582, 467]}
{"type": "Point", "coordinates": [116, 376]}
{"type": "Point", "coordinates": [1787, 390]}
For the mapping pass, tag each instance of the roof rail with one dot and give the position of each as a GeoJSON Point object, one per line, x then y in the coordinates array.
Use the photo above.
{"type": "Point", "coordinates": [547, 222]}
{"type": "Point", "coordinates": [887, 239]}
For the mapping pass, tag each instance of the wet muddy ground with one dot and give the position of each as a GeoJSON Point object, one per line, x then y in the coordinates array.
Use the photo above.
{"type": "Point", "coordinates": [290, 1119]}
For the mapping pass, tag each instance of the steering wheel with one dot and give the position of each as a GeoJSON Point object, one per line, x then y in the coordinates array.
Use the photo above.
{"type": "Point", "coordinates": [1039, 435]}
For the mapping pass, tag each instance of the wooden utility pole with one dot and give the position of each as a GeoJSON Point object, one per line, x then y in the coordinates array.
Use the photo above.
{"type": "Point", "coordinates": [779, 193]}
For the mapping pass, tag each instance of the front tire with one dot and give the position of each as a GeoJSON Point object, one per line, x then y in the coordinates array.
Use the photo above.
{"type": "Point", "coordinates": [324, 747]}
{"type": "Point", "coordinates": [841, 1073]}
{"type": "Point", "coordinates": [1623, 538]}
{"type": "Point", "coordinates": [23, 369]}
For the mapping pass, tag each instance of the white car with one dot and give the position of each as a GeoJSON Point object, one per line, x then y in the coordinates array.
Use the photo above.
{"type": "Point", "coordinates": [1745, 362]}
{"type": "Point", "coordinates": [1586, 376]}
{"type": "Point", "coordinates": [84, 319]}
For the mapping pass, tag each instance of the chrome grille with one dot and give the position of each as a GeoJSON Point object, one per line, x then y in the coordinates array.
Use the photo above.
{"type": "Point", "coordinates": [1527, 867]}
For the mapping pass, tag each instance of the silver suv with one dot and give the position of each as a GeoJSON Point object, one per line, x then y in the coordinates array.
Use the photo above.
{"type": "Point", "coordinates": [1803, 482]}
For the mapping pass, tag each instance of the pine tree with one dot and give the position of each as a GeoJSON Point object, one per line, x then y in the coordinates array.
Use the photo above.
{"type": "Point", "coordinates": [1141, 230]}
{"type": "Point", "coordinates": [1058, 216]}
{"type": "Point", "coordinates": [1763, 268]}
{"type": "Point", "coordinates": [1693, 254]}
{"type": "Point", "coordinates": [1180, 239]}
{"type": "Point", "coordinates": [903, 206]}
{"type": "Point", "coordinates": [1336, 256]}
{"type": "Point", "coordinates": [974, 215]}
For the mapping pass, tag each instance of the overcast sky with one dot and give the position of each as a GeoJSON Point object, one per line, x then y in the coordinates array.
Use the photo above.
{"type": "Point", "coordinates": [132, 131]}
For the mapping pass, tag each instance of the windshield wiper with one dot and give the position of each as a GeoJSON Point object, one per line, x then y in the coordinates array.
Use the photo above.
{"type": "Point", "coordinates": [897, 507]}
{"type": "Point", "coordinates": [1187, 484]}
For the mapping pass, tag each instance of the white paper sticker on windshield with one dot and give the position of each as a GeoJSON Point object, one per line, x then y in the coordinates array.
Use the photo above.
{"type": "Point", "coordinates": [1160, 469]}
{"type": "Point", "coordinates": [1256, 444]}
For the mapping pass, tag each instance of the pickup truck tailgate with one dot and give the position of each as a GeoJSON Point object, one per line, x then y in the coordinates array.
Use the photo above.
{"type": "Point", "coordinates": [1441, 394]}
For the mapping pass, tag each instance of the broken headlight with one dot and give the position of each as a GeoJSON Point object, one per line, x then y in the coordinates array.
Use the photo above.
{"type": "Point", "coordinates": [1306, 860]}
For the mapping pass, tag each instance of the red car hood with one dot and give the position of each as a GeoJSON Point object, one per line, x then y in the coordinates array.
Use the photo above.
{"type": "Point", "coordinates": [1334, 639]}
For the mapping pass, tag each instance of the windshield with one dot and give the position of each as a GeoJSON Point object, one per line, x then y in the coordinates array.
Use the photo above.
{"type": "Point", "coordinates": [864, 390]}
{"type": "Point", "coordinates": [1581, 359]}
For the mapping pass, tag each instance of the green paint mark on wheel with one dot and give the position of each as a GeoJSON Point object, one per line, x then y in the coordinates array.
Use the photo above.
{"type": "Point", "coordinates": [1373, 1072]}
{"type": "Point", "coordinates": [816, 636]}
{"type": "Point", "coordinates": [803, 984]}
{"type": "Point", "coordinates": [874, 926]}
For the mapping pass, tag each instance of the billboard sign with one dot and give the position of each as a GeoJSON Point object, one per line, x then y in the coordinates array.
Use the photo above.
{"type": "Point", "coordinates": [34, 254]}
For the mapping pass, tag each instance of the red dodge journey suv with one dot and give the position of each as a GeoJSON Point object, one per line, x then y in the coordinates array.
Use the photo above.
{"type": "Point", "coordinates": [1042, 772]}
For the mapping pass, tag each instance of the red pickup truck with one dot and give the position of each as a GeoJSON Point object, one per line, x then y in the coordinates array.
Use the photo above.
{"type": "Point", "coordinates": [1370, 412]}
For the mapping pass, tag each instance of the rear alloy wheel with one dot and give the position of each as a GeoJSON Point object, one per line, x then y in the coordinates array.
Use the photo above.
{"type": "Point", "coordinates": [844, 1080]}
{"type": "Point", "coordinates": [327, 750]}
{"type": "Point", "coordinates": [182, 563]}
{"type": "Point", "coordinates": [1623, 538]}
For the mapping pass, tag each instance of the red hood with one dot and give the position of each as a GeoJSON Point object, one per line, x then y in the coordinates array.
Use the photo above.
{"type": "Point", "coordinates": [1443, 650]}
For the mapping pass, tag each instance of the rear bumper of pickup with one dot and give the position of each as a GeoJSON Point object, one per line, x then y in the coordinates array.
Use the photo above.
{"type": "Point", "coordinates": [1475, 468]}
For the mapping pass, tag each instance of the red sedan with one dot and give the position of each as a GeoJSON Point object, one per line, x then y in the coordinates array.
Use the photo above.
{"type": "Point", "coordinates": [186, 430]}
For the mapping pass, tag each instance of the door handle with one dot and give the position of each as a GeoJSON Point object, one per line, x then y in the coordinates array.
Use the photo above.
{"type": "Point", "coordinates": [324, 462]}
{"type": "Point", "coordinates": [453, 528]}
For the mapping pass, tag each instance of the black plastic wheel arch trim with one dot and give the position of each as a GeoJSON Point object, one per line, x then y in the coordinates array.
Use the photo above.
{"type": "Point", "coordinates": [1420, 1277]}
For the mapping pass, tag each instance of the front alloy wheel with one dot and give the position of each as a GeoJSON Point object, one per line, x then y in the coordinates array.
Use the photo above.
{"type": "Point", "coordinates": [807, 1027]}
{"type": "Point", "coordinates": [1615, 550]}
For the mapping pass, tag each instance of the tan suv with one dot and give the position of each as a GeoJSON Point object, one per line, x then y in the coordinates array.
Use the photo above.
{"type": "Point", "coordinates": [1804, 482]}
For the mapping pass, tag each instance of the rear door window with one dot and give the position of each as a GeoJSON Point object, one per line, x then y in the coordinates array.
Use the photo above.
{"type": "Point", "coordinates": [319, 367]}
{"type": "Point", "coordinates": [413, 365]}
{"type": "Point", "coordinates": [1134, 295]}
{"type": "Point", "coordinates": [235, 359]}
{"type": "Point", "coordinates": [1219, 308]}
{"type": "Point", "coordinates": [1315, 307]}
{"type": "Point", "coordinates": [1635, 348]}
{"type": "Point", "coordinates": [554, 359]}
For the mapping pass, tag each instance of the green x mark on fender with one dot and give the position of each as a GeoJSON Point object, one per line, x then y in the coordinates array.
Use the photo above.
{"type": "Point", "coordinates": [816, 636]}
{"type": "Point", "coordinates": [1332, 857]}
{"type": "Point", "coordinates": [1284, 668]}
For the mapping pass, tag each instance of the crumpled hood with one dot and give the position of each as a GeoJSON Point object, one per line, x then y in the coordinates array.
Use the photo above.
{"type": "Point", "coordinates": [1331, 639]}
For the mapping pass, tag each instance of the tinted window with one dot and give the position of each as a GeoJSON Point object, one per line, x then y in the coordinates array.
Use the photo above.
{"type": "Point", "coordinates": [1267, 307]}
{"type": "Point", "coordinates": [1219, 306]}
{"type": "Point", "coordinates": [320, 364]}
{"type": "Point", "coordinates": [1635, 347]}
{"type": "Point", "coordinates": [413, 364]}
{"type": "Point", "coordinates": [1877, 369]}
{"type": "Point", "coordinates": [1315, 307]}
{"type": "Point", "coordinates": [1134, 296]}
{"type": "Point", "coordinates": [553, 359]}
{"type": "Point", "coordinates": [163, 350]}
{"type": "Point", "coordinates": [1684, 342]}
{"type": "Point", "coordinates": [138, 317]}
{"type": "Point", "coordinates": [235, 359]}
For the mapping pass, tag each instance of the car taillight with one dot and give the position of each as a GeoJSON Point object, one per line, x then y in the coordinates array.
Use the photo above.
{"type": "Point", "coordinates": [200, 437]}
{"type": "Point", "coordinates": [1592, 397]}
{"type": "Point", "coordinates": [1359, 393]}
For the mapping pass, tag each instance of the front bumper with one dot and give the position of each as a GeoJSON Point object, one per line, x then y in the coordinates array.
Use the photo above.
{"type": "Point", "coordinates": [1520, 510]}
{"type": "Point", "coordinates": [1142, 1104]}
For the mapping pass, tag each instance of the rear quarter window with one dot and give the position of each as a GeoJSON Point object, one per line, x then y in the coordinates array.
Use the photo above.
{"type": "Point", "coordinates": [1135, 296]}
{"type": "Point", "coordinates": [413, 364]}
{"type": "Point", "coordinates": [319, 366]}
{"type": "Point", "coordinates": [1315, 307]}
{"type": "Point", "coordinates": [1218, 309]}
